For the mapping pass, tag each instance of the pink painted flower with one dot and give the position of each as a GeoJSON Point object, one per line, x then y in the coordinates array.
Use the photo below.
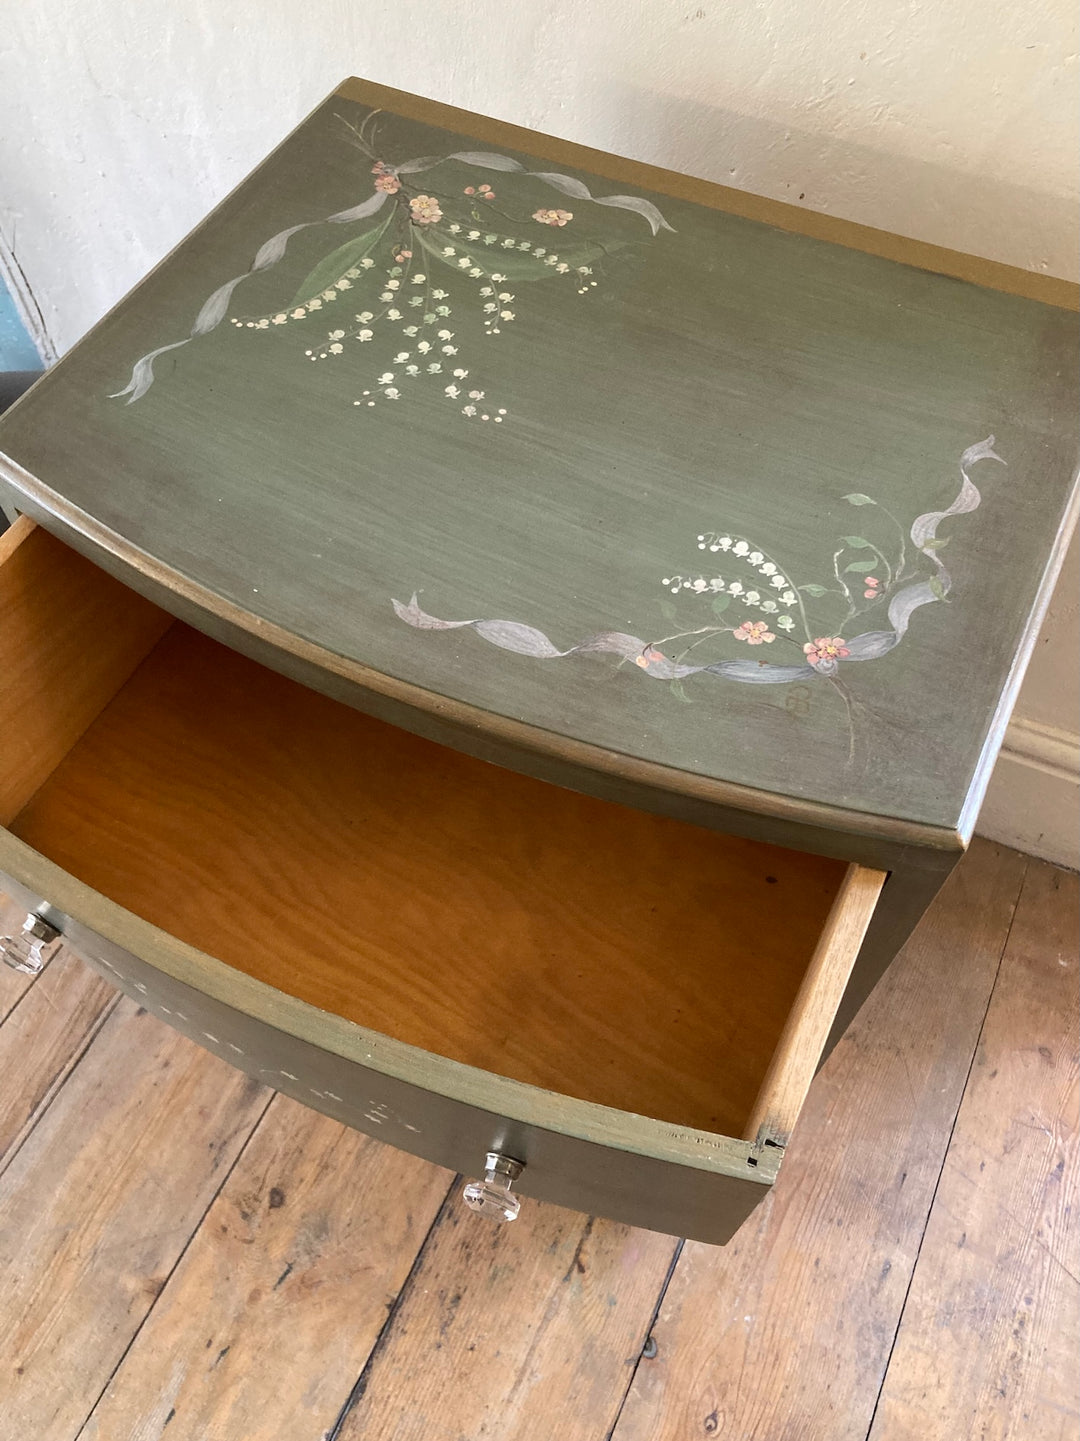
{"type": "Point", "coordinates": [826, 648]}
{"type": "Point", "coordinates": [425, 210]}
{"type": "Point", "coordinates": [470, 190]}
{"type": "Point", "coordinates": [388, 184]}
{"type": "Point", "coordinates": [754, 632]}
{"type": "Point", "coordinates": [403, 255]}
{"type": "Point", "coordinates": [553, 217]}
{"type": "Point", "coordinates": [380, 168]}
{"type": "Point", "coordinates": [649, 656]}
{"type": "Point", "coordinates": [871, 592]}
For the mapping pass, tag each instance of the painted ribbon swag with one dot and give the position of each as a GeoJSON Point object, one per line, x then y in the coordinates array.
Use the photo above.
{"type": "Point", "coordinates": [759, 587]}
{"type": "Point", "coordinates": [424, 258]}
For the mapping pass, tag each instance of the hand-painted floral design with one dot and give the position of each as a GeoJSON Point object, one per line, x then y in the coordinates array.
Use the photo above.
{"type": "Point", "coordinates": [430, 268]}
{"type": "Point", "coordinates": [824, 610]}
{"type": "Point", "coordinates": [754, 632]}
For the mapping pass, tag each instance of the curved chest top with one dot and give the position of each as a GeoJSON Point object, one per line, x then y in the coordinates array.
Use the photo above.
{"type": "Point", "coordinates": [565, 447]}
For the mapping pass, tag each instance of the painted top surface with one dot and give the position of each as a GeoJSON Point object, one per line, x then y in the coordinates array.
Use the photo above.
{"type": "Point", "coordinates": [628, 468]}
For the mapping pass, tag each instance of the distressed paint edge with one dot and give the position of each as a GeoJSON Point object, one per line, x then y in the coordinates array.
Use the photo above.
{"type": "Point", "coordinates": [782, 215]}
{"type": "Point", "coordinates": [65, 896]}
{"type": "Point", "coordinates": [193, 603]}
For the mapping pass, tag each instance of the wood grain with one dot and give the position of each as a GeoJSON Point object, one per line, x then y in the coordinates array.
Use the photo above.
{"type": "Point", "coordinates": [99, 1203]}
{"type": "Point", "coordinates": [13, 984]}
{"type": "Point", "coordinates": [785, 1334]}
{"type": "Point", "coordinates": [783, 1092]}
{"type": "Point", "coordinates": [43, 1039]}
{"type": "Point", "coordinates": [529, 1331]}
{"type": "Point", "coordinates": [272, 1313]}
{"type": "Point", "coordinates": [987, 1347]}
{"type": "Point", "coordinates": [69, 637]}
{"type": "Point", "coordinates": [596, 951]}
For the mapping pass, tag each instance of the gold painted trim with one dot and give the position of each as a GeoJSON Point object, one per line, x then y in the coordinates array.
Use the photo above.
{"type": "Point", "coordinates": [990, 274]}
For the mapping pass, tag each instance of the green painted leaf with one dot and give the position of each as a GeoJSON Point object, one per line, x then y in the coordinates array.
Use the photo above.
{"type": "Point", "coordinates": [720, 604]}
{"type": "Point", "coordinates": [679, 693]}
{"type": "Point", "coordinates": [936, 544]}
{"type": "Point", "coordinates": [814, 590]}
{"type": "Point", "coordinates": [937, 588]}
{"type": "Point", "coordinates": [332, 267]}
{"type": "Point", "coordinates": [667, 610]}
{"type": "Point", "coordinates": [857, 499]}
{"type": "Point", "coordinates": [856, 542]}
{"type": "Point", "coordinates": [860, 567]}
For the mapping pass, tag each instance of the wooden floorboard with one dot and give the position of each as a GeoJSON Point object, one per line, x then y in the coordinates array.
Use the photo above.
{"type": "Point", "coordinates": [179, 1261]}
{"type": "Point", "coordinates": [988, 1343]}
{"type": "Point", "coordinates": [785, 1333]}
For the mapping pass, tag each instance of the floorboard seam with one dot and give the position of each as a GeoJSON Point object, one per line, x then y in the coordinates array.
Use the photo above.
{"type": "Point", "coordinates": [17, 1002]}
{"type": "Point", "coordinates": [172, 1269]}
{"type": "Point", "coordinates": [610, 1433]}
{"type": "Point", "coordinates": [359, 1386]}
{"type": "Point", "coordinates": [58, 1084]}
{"type": "Point", "coordinates": [945, 1152]}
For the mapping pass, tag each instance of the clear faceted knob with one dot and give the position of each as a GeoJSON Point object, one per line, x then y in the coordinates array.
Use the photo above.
{"type": "Point", "coordinates": [29, 950]}
{"type": "Point", "coordinates": [493, 1195]}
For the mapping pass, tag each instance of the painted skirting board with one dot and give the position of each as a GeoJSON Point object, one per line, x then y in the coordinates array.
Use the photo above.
{"type": "Point", "coordinates": [1033, 802]}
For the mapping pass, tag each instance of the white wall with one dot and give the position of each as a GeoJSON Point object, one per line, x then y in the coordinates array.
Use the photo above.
{"type": "Point", "coordinates": [122, 123]}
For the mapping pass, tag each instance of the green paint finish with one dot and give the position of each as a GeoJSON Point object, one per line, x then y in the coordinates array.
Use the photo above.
{"type": "Point", "coordinates": [715, 381]}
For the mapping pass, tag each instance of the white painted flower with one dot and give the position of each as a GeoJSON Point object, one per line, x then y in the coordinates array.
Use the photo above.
{"type": "Point", "coordinates": [561, 268]}
{"type": "Point", "coordinates": [449, 350]}
{"type": "Point", "coordinates": [336, 348]}
{"type": "Point", "coordinates": [455, 229]}
{"type": "Point", "coordinates": [486, 290]}
{"type": "Point", "coordinates": [584, 270]}
{"type": "Point", "coordinates": [506, 315]}
{"type": "Point", "coordinates": [443, 310]}
{"type": "Point", "coordinates": [366, 264]}
{"type": "Point", "coordinates": [439, 294]}
{"type": "Point", "coordinates": [352, 274]}
{"type": "Point", "coordinates": [280, 319]}
{"type": "Point", "coordinates": [474, 235]}
{"type": "Point", "coordinates": [490, 239]}
{"type": "Point", "coordinates": [393, 285]}
{"type": "Point", "coordinates": [524, 245]}
{"type": "Point", "coordinates": [498, 279]}
{"type": "Point", "coordinates": [752, 597]}
{"type": "Point", "coordinates": [770, 606]}
{"type": "Point", "coordinates": [364, 335]}
{"type": "Point", "coordinates": [505, 296]}
{"type": "Point", "coordinates": [337, 335]}
{"type": "Point", "coordinates": [401, 357]}
{"type": "Point", "coordinates": [476, 395]}
{"type": "Point", "coordinates": [314, 305]}
{"type": "Point", "coordinates": [476, 272]}
{"type": "Point", "coordinates": [387, 295]}
{"type": "Point", "coordinates": [465, 262]}
{"type": "Point", "coordinates": [724, 542]}
{"type": "Point", "coordinates": [412, 370]}
{"type": "Point", "coordinates": [461, 373]}
{"type": "Point", "coordinates": [449, 250]}
{"type": "Point", "coordinates": [391, 393]}
{"type": "Point", "coordinates": [490, 308]}
{"type": "Point", "coordinates": [452, 391]}
{"type": "Point", "coordinates": [716, 585]}
{"type": "Point", "coordinates": [778, 581]}
{"type": "Point", "coordinates": [387, 378]}
{"type": "Point", "coordinates": [788, 598]}
{"type": "Point", "coordinates": [343, 284]}
{"type": "Point", "coordinates": [411, 330]}
{"type": "Point", "coordinates": [445, 334]}
{"type": "Point", "coordinates": [768, 568]}
{"type": "Point", "coordinates": [365, 316]}
{"type": "Point", "coordinates": [540, 250]}
{"type": "Point", "coordinates": [786, 622]}
{"type": "Point", "coordinates": [329, 295]}
{"type": "Point", "coordinates": [740, 548]}
{"type": "Point", "coordinates": [468, 410]}
{"type": "Point", "coordinates": [415, 300]}
{"type": "Point", "coordinates": [424, 346]}
{"type": "Point", "coordinates": [434, 368]}
{"type": "Point", "coordinates": [393, 315]}
{"type": "Point", "coordinates": [735, 588]}
{"type": "Point", "coordinates": [699, 585]}
{"type": "Point", "coordinates": [419, 279]}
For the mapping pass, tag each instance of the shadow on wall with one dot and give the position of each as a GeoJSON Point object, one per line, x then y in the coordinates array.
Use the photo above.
{"type": "Point", "coordinates": [841, 176]}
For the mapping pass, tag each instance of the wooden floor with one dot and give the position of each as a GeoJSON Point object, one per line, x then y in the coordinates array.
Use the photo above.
{"type": "Point", "coordinates": [183, 1251]}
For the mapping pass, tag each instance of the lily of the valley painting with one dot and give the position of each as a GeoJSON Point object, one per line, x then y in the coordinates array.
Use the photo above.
{"type": "Point", "coordinates": [859, 612]}
{"type": "Point", "coordinates": [430, 267]}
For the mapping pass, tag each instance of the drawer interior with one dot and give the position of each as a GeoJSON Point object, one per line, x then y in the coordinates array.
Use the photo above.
{"type": "Point", "coordinates": [567, 942]}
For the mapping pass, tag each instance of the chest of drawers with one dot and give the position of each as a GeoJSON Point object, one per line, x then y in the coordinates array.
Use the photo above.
{"type": "Point", "coordinates": [503, 643]}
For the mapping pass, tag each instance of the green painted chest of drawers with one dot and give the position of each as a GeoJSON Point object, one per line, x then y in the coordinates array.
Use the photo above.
{"type": "Point", "coordinates": [503, 643]}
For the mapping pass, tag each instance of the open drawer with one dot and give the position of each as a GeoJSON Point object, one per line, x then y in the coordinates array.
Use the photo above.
{"type": "Point", "coordinates": [450, 956]}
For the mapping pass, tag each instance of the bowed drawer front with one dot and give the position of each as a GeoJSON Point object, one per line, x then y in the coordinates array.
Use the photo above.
{"type": "Point", "coordinates": [446, 954]}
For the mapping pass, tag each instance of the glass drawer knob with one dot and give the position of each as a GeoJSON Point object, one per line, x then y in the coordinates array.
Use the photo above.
{"type": "Point", "coordinates": [493, 1195]}
{"type": "Point", "coordinates": [28, 951]}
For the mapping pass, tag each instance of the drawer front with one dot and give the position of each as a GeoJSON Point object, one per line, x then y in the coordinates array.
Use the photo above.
{"type": "Point", "coordinates": [586, 1157]}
